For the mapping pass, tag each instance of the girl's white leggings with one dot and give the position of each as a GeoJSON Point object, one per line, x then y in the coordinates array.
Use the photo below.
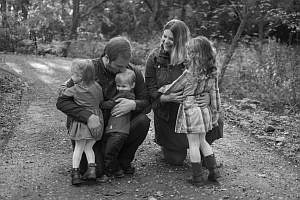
{"type": "Point", "coordinates": [198, 142]}
{"type": "Point", "coordinates": [85, 146]}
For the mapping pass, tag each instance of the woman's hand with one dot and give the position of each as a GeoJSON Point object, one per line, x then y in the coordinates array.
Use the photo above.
{"type": "Point", "coordinates": [176, 97]}
{"type": "Point", "coordinates": [203, 99]}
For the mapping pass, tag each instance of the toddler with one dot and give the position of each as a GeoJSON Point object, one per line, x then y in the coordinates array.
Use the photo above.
{"type": "Point", "coordinates": [117, 128]}
{"type": "Point", "coordinates": [88, 94]}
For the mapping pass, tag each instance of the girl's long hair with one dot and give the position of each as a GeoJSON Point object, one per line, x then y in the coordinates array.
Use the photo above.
{"type": "Point", "coordinates": [86, 68]}
{"type": "Point", "coordinates": [202, 56]}
{"type": "Point", "coordinates": [181, 34]}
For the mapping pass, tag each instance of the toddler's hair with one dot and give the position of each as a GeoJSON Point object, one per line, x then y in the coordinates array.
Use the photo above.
{"type": "Point", "coordinates": [127, 76]}
{"type": "Point", "coordinates": [202, 56]}
{"type": "Point", "coordinates": [86, 68]}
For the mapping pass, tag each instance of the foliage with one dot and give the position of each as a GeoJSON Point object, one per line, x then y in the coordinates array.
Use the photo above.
{"type": "Point", "coordinates": [137, 18]}
{"type": "Point", "coordinates": [274, 83]}
{"type": "Point", "coordinates": [269, 71]}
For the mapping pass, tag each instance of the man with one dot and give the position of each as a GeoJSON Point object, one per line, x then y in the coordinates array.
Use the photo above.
{"type": "Point", "coordinates": [115, 59]}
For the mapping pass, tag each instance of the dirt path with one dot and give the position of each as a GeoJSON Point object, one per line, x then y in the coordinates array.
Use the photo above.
{"type": "Point", "coordinates": [36, 161]}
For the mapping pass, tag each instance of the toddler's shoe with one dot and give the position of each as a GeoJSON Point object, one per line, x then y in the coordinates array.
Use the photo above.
{"type": "Point", "coordinates": [90, 173]}
{"type": "Point", "coordinates": [76, 179]}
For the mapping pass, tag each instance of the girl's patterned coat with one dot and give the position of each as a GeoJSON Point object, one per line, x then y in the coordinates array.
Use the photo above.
{"type": "Point", "coordinates": [191, 118]}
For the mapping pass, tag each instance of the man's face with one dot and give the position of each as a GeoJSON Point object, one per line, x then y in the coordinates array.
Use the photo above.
{"type": "Point", "coordinates": [118, 65]}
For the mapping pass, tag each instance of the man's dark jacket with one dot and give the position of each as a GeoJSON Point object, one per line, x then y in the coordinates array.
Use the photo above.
{"type": "Point", "coordinates": [106, 79]}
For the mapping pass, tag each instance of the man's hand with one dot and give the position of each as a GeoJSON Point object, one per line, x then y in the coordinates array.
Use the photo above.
{"type": "Point", "coordinates": [172, 97]}
{"type": "Point", "coordinates": [203, 100]}
{"type": "Point", "coordinates": [94, 123]}
{"type": "Point", "coordinates": [123, 107]}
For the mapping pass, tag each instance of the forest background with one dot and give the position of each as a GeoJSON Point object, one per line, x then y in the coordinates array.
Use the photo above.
{"type": "Point", "coordinates": [258, 45]}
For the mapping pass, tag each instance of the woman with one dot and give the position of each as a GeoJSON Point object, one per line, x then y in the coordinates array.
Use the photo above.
{"type": "Point", "coordinates": [164, 65]}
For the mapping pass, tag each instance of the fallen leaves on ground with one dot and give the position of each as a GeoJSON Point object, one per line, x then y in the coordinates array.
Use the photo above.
{"type": "Point", "coordinates": [280, 132]}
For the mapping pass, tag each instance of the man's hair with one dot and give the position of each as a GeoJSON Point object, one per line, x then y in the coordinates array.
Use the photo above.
{"type": "Point", "coordinates": [127, 76]}
{"type": "Point", "coordinates": [181, 34]}
{"type": "Point", "coordinates": [118, 46]}
{"type": "Point", "coordinates": [86, 68]}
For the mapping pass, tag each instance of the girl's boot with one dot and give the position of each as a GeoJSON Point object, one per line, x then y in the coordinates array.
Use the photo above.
{"type": "Point", "coordinates": [211, 165]}
{"type": "Point", "coordinates": [76, 180]}
{"type": "Point", "coordinates": [197, 178]}
{"type": "Point", "coordinates": [90, 172]}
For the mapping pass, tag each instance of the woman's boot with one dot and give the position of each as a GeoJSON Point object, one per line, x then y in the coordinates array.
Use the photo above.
{"type": "Point", "coordinates": [197, 178]}
{"type": "Point", "coordinates": [211, 165]}
{"type": "Point", "coordinates": [90, 172]}
{"type": "Point", "coordinates": [76, 180]}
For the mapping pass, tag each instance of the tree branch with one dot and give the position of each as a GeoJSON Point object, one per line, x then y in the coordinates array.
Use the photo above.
{"type": "Point", "coordinates": [233, 45]}
{"type": "Point", "coordinates": [149, 5]}
{"type": "Point", "coordinates": [92, 8]}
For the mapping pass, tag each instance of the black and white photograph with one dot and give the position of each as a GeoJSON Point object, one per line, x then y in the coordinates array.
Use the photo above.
{"type": "Point", "coordinates": [149, 99]}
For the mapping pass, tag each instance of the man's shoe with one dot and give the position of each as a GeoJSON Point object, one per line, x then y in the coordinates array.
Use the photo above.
{"type": "Point", "coordinates": [119, 174]}
{"type": "Point", "coordinates": [103, 178]}
{"type": "Point", "coordinates": [129, 170]}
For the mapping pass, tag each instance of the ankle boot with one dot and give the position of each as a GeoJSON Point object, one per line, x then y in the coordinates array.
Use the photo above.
{"type": "Point", "coordinates": [90, 172]}
{"type": "Point", "coordinates": [197, 178]}
{"type": "Point", "coordinates": [211, 165]}
{"type": "Point", "coordinates": [76, 180]}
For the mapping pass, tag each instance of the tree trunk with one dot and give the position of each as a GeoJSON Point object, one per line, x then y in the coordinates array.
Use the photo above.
{"type": "Point", "coordinates": [64, 15]}
{"type": "Point", "coordinates": [154, 7]}
{"type": "Point", "coordinates": [3, 13]}
{"type": "Point", "coordinates": [183, 11]}
{"type": "Point", "coordinates": [75, 19]}
{"type": "Point", "coordinates": [233, 46]}
{"type": "Point", "coordinates": [260, 38]}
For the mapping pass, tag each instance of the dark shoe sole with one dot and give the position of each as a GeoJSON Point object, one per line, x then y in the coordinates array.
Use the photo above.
{"type": "Point", "coordinates": [197, 184]}
{"type": "Point", "coordinates": [77, 182]}
{"type": "Point", "coordinates": [119, 175]}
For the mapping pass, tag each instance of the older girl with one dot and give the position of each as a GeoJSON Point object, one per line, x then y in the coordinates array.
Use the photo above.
{"type": "Point", "coordinates": [195, 121]}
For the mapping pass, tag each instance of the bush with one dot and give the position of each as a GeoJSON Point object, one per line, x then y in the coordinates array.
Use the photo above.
{"type": "Point", "coordinates": [271, 77]}
{"type": "Point", "coordinates": [85, 49]}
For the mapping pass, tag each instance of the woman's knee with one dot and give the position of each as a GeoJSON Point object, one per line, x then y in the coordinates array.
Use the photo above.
{"type": "Point", "coordinates": [140, 121]}
{"type": "Point", "coordinates": [174, 157]}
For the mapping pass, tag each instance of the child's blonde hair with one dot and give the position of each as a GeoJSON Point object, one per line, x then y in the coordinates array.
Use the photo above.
{"type": "Point", "coordinates": [127, 76]}
{"type": "Point", "coordinates": [202, 56]}
{"type": "Point", "coordinates": [86, 68]}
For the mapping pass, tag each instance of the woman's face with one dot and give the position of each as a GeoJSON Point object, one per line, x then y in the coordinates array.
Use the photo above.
{"type": "Point", "coordinates": [167, 40]}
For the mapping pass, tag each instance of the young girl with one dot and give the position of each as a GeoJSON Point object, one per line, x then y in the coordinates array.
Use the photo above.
{"type": "Point", "coordinates": [87, 93]}
{"type": "Point", "coordinates": [195, 121]}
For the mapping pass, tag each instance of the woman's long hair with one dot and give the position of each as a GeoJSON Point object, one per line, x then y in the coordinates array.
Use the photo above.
{"type": "Point", "coordinates": [181, 34]}
{"type": "Point", "coordinates": [86, 68]}
{"type": "Point", "coordinates": [201, 56]}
